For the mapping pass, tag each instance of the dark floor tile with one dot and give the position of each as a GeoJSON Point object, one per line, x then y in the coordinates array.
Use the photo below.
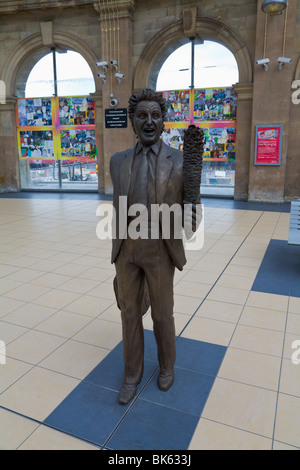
{"type": "Point", "coordinates": [199, 356]}
{"type": "Point", "coordinates": [149, 426]}
{"type": "Point", "coordinates": [188, 393]}
{"type": "Point", "coordinates": [109, 373]}
{"type": "Point", "coordinates": [279, 272]}
{"type": "Point", "coordinates": [90, 412]}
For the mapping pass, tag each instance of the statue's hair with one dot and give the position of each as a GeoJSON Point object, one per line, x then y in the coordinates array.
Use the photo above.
{"type": "Point", "coordinates": [146, 95]}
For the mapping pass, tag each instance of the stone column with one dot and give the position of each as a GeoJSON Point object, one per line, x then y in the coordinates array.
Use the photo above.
{"type": "Point", "coordinates": [9, 160]}
{"type": "Point", "coordinates": [271, 99]}
{"type": "Point", "coordinates": [243, 139]}
{"type": "Point", "coordinates": [99, 139]}
{"type": "Point", "coordinates": [116, 30]}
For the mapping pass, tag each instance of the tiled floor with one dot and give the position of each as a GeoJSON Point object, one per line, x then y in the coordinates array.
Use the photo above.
{"type": "Point", "coordinates": [237, 312]}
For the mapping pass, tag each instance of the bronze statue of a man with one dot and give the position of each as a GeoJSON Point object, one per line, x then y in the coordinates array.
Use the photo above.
{"type": "Point", "coordinates": [149, 173]}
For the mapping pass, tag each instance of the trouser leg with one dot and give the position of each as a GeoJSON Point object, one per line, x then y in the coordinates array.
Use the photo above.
{"type": "Point", "coordinates": [137, 260]}
{"type": "Point", "coordinates": [159, 271]}
{"type": "Point", "coordinates": [130, 285]}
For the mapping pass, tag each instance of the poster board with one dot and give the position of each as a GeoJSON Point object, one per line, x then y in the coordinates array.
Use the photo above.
{"type": "Point", "coordinates": [268, 145]}
{"type": "Point", "coordinates": [35, 112]}
{"type": "Point", "coordinates": [76, 111]}
{"type": "Point", "coordinates": [77, 144]}
{"type": "Point", "coordinates": [220, 139]}
{"type": "Point", "coordinates": [37, 145]}
{"type": "Point", "coordinates": [57, 128]}
{"type": "Point", "coordinates": [215, 104]}
{"type": "Point", "coordinates": [178, 105]}
{"type": "Point", "coordinates": [214, 110]}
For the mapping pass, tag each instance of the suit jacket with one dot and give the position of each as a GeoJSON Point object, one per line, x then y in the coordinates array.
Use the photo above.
{"type": "Point", "coordinates": [169, 190]}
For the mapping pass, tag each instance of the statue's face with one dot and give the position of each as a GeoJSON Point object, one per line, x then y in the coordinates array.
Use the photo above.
{"type": "Point", "coordinates": [148, 122]}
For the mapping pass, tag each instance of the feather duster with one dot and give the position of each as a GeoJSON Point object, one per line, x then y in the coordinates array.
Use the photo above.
{"type": "Point", "coordinates": [193, 148]}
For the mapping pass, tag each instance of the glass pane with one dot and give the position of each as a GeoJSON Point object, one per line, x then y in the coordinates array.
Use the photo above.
{"type": "Point", "coordinates": [74, 76]}
{"type": "Point", "coordinates": [39, 174]}
{"type": "Point", "coordinates": [218, 178]}
{"type": "Point", "coordinates": [37, 160]}
{"type": "Point", "coordinates": [215, 66]}
{"type": "Point", "coordinates": [41, 79]}
{"type": "Point", "coordinates": [78, 151]}
{"type": "Point", "coordinates": [175, 73]}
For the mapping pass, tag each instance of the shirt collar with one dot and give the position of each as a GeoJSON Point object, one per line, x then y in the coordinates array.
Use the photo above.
{"type": "Point", "coordinates": [155, 147]}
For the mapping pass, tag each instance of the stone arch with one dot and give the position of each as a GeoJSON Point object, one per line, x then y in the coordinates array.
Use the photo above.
{"type": "Point", "coordinates": [31, 50]}
{"type": "Point", "coordinates": [297, 72]}
{"type": "Point", "coordinates": [171, 37]}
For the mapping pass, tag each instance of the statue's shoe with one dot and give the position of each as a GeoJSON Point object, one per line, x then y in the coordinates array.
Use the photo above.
{"type": "Point", "coordinates": [127, 393]}
{"type": "Point", "coordinates": [165, 382]}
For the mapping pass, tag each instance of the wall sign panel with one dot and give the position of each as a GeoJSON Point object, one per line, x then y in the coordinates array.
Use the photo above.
{"type": "Point", "coordinates": [268, 145]}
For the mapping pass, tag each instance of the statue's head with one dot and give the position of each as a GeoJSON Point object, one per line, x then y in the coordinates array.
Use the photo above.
{"type": "Point", "coordinates": [147, 111]}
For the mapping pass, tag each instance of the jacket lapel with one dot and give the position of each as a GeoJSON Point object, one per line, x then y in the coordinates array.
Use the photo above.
{"type": "Point", "coordinates": [163, 170]}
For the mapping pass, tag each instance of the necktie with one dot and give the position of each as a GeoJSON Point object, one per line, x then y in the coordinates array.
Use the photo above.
{"type": "Point", "coordinates": [140, 193]}
{"type": "Point", "coordinates": [151, 178]}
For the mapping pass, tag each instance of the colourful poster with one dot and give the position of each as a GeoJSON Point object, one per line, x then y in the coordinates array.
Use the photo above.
{"type": "Point", "coordinates": [173, 136]}
{"type": "Point", "coordinates": [268, 145]}
{"type": "Point", "coordinates": [213, 109]}
{"type": "Point", "coordinates": [71, 131]}
{"type": "Point", "coordinates": [35, 112]}
{"type": "Point", "coordinates": [78, 144]}
{"type": "Point", "coordinates": [220, 141]}
{"type": "Point", "coordinates": [178, 105]}
{"type": "Point", "coordinates": [36, 145]}
{"type": "Point", "coordinates": [76, 110]}
{"type": "Point", "coordinates": [215, 104]}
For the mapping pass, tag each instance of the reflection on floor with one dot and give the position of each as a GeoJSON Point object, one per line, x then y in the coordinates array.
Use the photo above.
{"type": "Point", "coordinates": [237, 314]}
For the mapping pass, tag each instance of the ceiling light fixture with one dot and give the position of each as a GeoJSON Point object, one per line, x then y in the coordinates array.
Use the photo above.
{"type": "Point", "coordinates": [274, 7]}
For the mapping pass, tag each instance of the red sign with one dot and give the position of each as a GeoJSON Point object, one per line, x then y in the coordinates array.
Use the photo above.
{"type": "Point", "coordinates": [268, 145]}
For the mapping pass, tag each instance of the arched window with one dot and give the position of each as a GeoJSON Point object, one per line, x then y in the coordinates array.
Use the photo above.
{"type": "Point", "coordinates": [214, 66]}
{"type": "Point", "coordinates": [57, 125]}
{"type": "Point", "coordinates": [196, 81]}
{"type": "Point", "coordinates": [65, 73]}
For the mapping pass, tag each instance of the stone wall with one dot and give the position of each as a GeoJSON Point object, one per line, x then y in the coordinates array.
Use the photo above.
{"type": "Point", "coordinates": [149, 31]}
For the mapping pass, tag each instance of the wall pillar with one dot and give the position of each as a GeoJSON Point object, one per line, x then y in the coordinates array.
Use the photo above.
{"type": "Point", "coordinates": [97, 96]}
{"type": "Point", "coordinates": [116, 30]}
{"type": "Point", "coordinates": [9, 160]}
{"type": "Point", "coordinates": [271, 99]}
{"type": "Point", "coordinates": [243, 139]}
